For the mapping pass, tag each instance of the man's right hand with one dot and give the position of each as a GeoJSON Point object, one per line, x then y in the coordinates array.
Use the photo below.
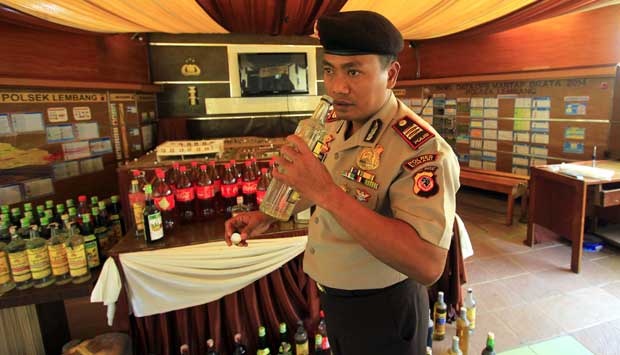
{"type": "Point", "coordinates": [248, 224]}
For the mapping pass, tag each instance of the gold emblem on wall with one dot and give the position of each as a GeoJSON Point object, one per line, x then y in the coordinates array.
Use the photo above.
{"type": "Point", "coordinates": [191, 96]}
{"type": "Point", "coordinates": [190, 68]}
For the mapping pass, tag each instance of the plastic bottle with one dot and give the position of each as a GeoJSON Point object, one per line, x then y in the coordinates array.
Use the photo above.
{"type": "Point", "coordinates": [230, 189]}
{"type": "Point", "coordinates": [470, 303]}
{"type": "Point", "coordinates": [214, 175]}
{"type": "Point", "coordinates": [249, 185]}
{"type": "Point", "coordinates": [280, 199]}
{"type": "Point", "coordinates": [440, 311]}
{"type": "Point", "coordinates": [237, 174]}
{"type": "Point", "coordinates": [301, 340]}
{"type": "Point", "coordinates": [164, 200]}
{"type": "Point", "coordinates": [172, 176]}
{"type": "Point", "coordinates": [184, 196]}
{"type": "Point", "coordinates": [262, 186]}
{"type": "Point", "coordinates": [205, 195]}
{"type": "Point", "coordinates": [194, 171]}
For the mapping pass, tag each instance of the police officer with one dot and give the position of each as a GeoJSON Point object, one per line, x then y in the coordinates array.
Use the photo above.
{"type": "Point", "coordinates": [384, 196]}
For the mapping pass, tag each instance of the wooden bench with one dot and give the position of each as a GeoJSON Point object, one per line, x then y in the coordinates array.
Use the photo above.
{"type": "Point", "coordinates": [511, 184]}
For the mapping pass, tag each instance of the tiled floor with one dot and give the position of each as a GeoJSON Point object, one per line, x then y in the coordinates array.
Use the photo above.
{"type": "Point", "coordinates": [528, 296]}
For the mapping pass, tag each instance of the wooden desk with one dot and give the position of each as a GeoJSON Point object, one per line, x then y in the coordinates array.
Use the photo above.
{"type": "Point", "coordinates": [558, 203]}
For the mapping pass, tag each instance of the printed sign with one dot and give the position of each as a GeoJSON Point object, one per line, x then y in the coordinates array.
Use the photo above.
{"type": "Point", "coordinates": [57, 114]}
{"type": "Point", "coordinates": [81, 113]}
{"type": "Point", "coordinates": [28, 97]}
{"type": "Point", "coordinates": [100, 146]}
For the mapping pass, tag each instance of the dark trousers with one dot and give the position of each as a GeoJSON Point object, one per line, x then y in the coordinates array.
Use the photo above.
{"type": "Point", "coordinates": [391, 321]}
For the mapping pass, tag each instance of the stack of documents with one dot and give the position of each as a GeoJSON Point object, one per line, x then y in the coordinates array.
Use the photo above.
{"type": "Point", "coordinates": [583, 171]}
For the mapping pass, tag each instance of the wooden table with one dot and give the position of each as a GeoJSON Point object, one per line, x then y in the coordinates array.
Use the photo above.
{"type": "Point", "coordinates": [558, 203]}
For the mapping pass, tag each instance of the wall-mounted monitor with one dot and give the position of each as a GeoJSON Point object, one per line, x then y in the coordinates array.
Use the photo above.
{"type": "Point", "coordinates": [268, 74]}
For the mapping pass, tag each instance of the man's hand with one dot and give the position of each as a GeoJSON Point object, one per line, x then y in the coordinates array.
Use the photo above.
{"type": "Point", "coordinates": [248, 224]}
{"type": "Point", "coordinates": [300, 169]}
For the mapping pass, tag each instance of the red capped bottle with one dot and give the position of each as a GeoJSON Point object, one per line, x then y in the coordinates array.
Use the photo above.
{"type": "Point", "coordinates": [164, 200]}
{"type": "Point", "coordinates": [255, 168]}
{"type": "Point", "coordinates": [230, 189]}
{"type": "Point", "coordinates": [237, 173]}
{"type": "Point", "coordinates": [82, 208]}
{"type": "Point", "coordinates": [261, 187]}
{"type": "Point", "coordinates": [184, 196]}
{"type": "Point", "coordinates": [217, 185]}
{"type": "Point", "coordinates": [139, 176]}
{"type": "Point", "coordinates": [172, 175]}
{"type": "Point", "coordinates": [205, 195]}
{"type": "Point", "coordinates": [248, 187]}
{"type": "Point", "coordinates": [194, 172]}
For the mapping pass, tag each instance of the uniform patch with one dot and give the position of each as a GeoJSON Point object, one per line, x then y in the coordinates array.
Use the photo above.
{"type": "Point", "coordinates": [414, 134]}
{"type": "Point", "coordinates": [331, 116]}
{"type": "Point", "coordinates": [369, 158]}
{"type": "Point", "coordinates": [425, 182]}
{"type": "Point", "coordinates": [373, 131]}
{"type": "Point", "coordinates": [419, 160]}
{"type": "Point", "coordinates": [361, 195]}
{"type": "Point", "coordinates": [326, 141]}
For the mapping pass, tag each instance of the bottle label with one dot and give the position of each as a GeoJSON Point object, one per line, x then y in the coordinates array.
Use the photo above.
{"type": "Point", "coordinates": [92, 251]}
{"type": "Point", "coordinates": [249, 187]}
{"type": "Point", "coordinates": [230, 190]}
{"type": "Point", "coordinates": [39, 262]}
{"type": "Point", "coordinates": [205, 192]}
{"type": "Point", "coordinates": [77, 260]}
{"type": "Point", "coordinates": [164, 203]}
{"type": "Point", "coordinates": [4, 269]}
{"type": "Point", "coordinates": [19, 266]}
{"type": "Point", "coordinates": [102, 234]}
{"type": "Point", "coordinates": [138, 210]}
{"type": "Point", "coordinates": [117, 228]}
{"type": "Point", "coordinates": [318, 150]}
{"type": "Point", "coordinates": [302, 349]}
{"type": "Point", "coordinates": [156, 227]}
{"type": "Point", "coordinates": [260, 195]}
{"type": "Point", "coordinates": [58, 259]}
{"type": "Point", "coordinates": [471, 317]}
{"type": "Point", "coordinates": [184, 195]}
{"type": "Point", "coordinates": [440, 322]}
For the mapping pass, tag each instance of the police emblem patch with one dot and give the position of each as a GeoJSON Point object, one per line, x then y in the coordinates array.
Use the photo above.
{"type": "Point", "coordinates": [414, 134]}
{"type": "Point", "coordinates": [425, 182]}
{"type": "Point", "coordinates": [369, 158]}
{"type": "Point", "coordinates": [420, 160]}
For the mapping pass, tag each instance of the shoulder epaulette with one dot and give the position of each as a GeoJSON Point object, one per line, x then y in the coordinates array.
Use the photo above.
{"type": "Point", "coordinates": [414, 134]}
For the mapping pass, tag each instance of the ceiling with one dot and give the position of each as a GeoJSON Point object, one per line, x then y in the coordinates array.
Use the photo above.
{"type": "Point", "coordinates": [417, 20]}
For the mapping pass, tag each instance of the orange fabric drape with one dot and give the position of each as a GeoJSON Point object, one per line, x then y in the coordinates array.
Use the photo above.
{"type": "Point", "coordinates": [273, 17]}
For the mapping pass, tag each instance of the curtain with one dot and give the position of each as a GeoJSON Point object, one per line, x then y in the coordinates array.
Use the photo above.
{"type": "Point", "coordinates": [273, 17]}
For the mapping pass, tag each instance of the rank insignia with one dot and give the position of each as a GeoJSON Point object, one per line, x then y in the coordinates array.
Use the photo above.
{"type": "Point", "coordinates": [425, 182]}
{"type": "Point", "coordinates": [361, 176]}
{"type": "Point", "coordinates": [361, 195]}
{"type": "Point", "coordinates": [375, 127]}
{"type": "Point", "coordinates": [420, 160]}
{"type": "Point", "coordinates": [369, 158]}
{"type": "Point", "coordinates": [414, 134]}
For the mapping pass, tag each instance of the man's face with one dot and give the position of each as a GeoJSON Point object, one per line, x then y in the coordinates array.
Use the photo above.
{"type": "Point", "coordinates": [358, 84]}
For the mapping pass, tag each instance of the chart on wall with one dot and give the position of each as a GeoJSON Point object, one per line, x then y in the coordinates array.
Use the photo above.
{"type": "Point", "coordinates": [512, 125]}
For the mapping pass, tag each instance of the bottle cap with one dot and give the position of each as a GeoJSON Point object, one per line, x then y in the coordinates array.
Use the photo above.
{"type": "Point", "coordinates": [247, 163]}
{"type": "Point", "coordinates": [322, 314]}
{"type": "Point", "coordinates": [282, 327]}
{"type": "Point", "coordinates": [226, 165]}
{"type": "Point", "coordinates": [183, 169]}
{"type": "Point", "coordinates": [175, 165]}
{"type": "Point", "coordinates": [44, 221]}
{"type": "Point", "coordinates": [491, 335]}
{"type": "Point", "coordinates": [114, 198]}
{"type": "Point", "coordinates": [82, 198]}
{"type": "Point", "coordinates": [203, 167]}
{"type": "Point", "coordinates": [94, 199]}
{"type": "Point", "coordinates": [463, 312]}
{"type": "Point", "coordinates": [16, 211]}
{"type": "Point", "coordinates": [95, 211]}
{"type": "Point", "coordinates": [148, 189]}
{"type": "Point", "coordinates": [211, 162]}
{"type": "Point", "coordinates": [233, 162]}
{"type": "Point", "coordinates": [261, 331]}
{"type": "Point", "coordinates": [72, 211]}
{"type": "Point", "coordinates": [263, 170]}
{"type": "Point", "coordinates": [193, 164]}
{"type": "Point", "coordinates": [28, 206]}
{"type": "Point", "coordinates": [469, 290]}
{"type": "Point", "coordinates": [101, 205]}
{"type": "Point", "coordinates": [135, 173]}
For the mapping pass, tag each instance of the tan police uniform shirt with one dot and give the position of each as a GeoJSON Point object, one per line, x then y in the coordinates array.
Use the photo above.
{"type": "Point", "coordinates": [397, 165]}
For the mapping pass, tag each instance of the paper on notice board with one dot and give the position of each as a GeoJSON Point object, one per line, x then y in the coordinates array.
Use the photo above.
{"type": "Point", "coordinates": [57, 114]}
{"type": "Point", "coordinates": [520, 160]}
{"type": "Point", "coordinates": [491, 124]}
{"type": "Point", "coordinates": [475, 143]}
{"type": "Point", "coordinates": [66, 170]}
{"type": "Point", "coordinates": [38, 187]}
{"type": "Point", "coordinates": [92, 165]}
{"type": "Point", "coordinates": [27, 122]}
{"type": "Point", "coordinates": [5, 126]}
{"type": "Point", "coordinates": [522, 137]}
{"type": "Point", "coordinates": [475, 163]}
{"type": "Point", "coordinates": [521, 148]}
{"type": "Point", "coordinates": [59, 133]}
{"type": "Point", "coordinates": [87, 130]}
{"type": "Point", "coordinates": [489, 145]}
{"type": "Point", "coordinates": [490, 134]}
{"type": "Point", "coordinates": [10, 194]}
{"type": "Point", "coordinates": [75, 150]}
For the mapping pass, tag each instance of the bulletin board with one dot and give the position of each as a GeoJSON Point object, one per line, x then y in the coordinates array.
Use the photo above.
{"type": "Point", "coordinates": [511, 125]}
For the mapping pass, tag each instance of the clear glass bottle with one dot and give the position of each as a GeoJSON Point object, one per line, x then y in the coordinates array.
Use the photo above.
{"type": "Point", "coordinates": [240, 207]}
{"type": "Point", "coordinates": [280, 199]}
{"type": "Point", "coordinates": [18, 260]}
{"type": "Point", "coordinates": [136, 204]}
{"type": "Point", "coordinates": [6, 282]}
{"type": "Point", "coordinates": [101, 232]}
{"type": "Point", "coordinates": [470, 304]}
{"type": "Point", "coordinates": [455, 349]}
{"type": "Point", "coordinates": [39, 260]}
{"type": "Point", "coordinates": [463, 331]}
{"type": "Point", "coordinates": [76, 255]}
{"type": "Point", "coordinates": [440, 311]}
{"type": "Point", "coordinates": [58, 255]}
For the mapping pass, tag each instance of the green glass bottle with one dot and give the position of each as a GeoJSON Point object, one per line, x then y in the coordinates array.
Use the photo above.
{"type": "Point", "coordinates": [73, 216]}
{"type": "Point", "coordinates": [76, 255]}
{"type": "Point", "coordinates": [4, 209]}
{"type": "Point", "coordinates": [40, 211]}
{"type": "Point", "coordinates": [153, 224]}
{"type": "Point", "coordinates": [58, 255]}
{"type": "Point", "coordinates": [18, 260]}
{"type": "Point", "coordinates": [60, 210]}
{"type": "Point", "coordinates": [16, 216]}
{"type": "Point", "coordinates": [69, 203]}
{"type": "Point", "coordinates": [6, 282]}
{"type": "Point", "coordinates": [91, 243]}
{"type": "Point", "coordinates": [101, 231]}
{"type": "Point", "coordinates": [5, 236]}
{"type": "Point", "coordinates": [39, 260]}
{"type": "Point", "coordinates": [44, 230]}
{"type": "Point", "coordinates": [116, 219]}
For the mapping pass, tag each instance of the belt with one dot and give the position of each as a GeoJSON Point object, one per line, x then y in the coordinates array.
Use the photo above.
{"type": "Point", "coordinates": [355, 293]}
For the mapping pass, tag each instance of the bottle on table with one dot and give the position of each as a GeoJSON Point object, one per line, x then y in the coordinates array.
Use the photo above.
{"type": "Point", "coordinates": [230, 189]}
{"type": "Point", "coordinates": [152, 218]}
{"type": "Point", "coordinates": [6, 281]}
{"type": "Point", "coordinates": [18, 260]}
{"type": "Point", "coordinates": [463, 331]}
{"type": "Point", "coordinates": [139, 177]}
{"type": "Point", "coordinates": [76, 255]}
{"type": "Point", "coordinates": [440, 311]}
{"type": "Point", "coordinates": [163, 197]}
{"type": "Point", "coordinates": [172, 175]}
{"type": "Point", "coordinates": [240, 207]}
{"type": "Point", "coordinates": [39, 260]}
{"type": "Point", "coordinates": [184, 196]}
{"type": "Point", "coordinates": [255, 167]}
{"type": "Point", "coordinates": [280, 199]}
{"type": "Point", "coordinates": [284, 347]}
{"type": "Point", "coordinates": [214, 175]}
{"type": "Point", "coordinates": [263, 345]}
{"type": "Point", "coordinates": [101, 232]}
{"type": "Point", "coordinates": [82, 208]}
{"type": "Point", "coordinates": [238, 175]}
{"type": "Point", "coordinates": [136, 204]}
{"type": "Point", "coordinates": [262, 186]}
{"type": "Point", "coordinates": [249, 185]}
{"type": "Point", "coordinates": [91, 243]}
{"type": "Point", "coordinates": [94, 201]}
{"type": "Point", "coordinates": [115, 214]}
{"type": "Point", "coordinates": [322, 329]}
{"type": "Point", "coordinates": [240, 348]}
{"type": "Point", "coordinates": [301, 340]}
{"type": "Point", "coordinates": [194, 171]}
{"type": "Point", "coordinates": [44, 229]}
{"type": "Point", "coordinates": [470, 304]}
{"type": "Point", "coordinates": [454, 349]}
{"type": "Point", "coordinates": [205, 195]}
{"type": "Point", "coordinates": [490, 348]}
{"type": "Point", "coordinates": [58, 255]}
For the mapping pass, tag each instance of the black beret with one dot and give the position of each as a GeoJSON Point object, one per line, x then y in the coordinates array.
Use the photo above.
{"type": "Point", "coordinates": [358, 32]}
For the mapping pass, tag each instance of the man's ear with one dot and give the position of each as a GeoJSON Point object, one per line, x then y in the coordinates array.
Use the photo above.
{"type": "Point", "coordinates": [393, 71]}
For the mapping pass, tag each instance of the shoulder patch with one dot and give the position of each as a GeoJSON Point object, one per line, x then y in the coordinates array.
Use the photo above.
{"type": "Point", "coordinates": [414, 134]}
{"type": "Point", "coordinates": [419, 160]}
{"type": "Point", "coordinates": [425, 182]}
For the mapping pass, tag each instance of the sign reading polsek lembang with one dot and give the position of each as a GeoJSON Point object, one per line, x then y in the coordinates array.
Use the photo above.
{"type": "Point", "coordinates": [25, 97]}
